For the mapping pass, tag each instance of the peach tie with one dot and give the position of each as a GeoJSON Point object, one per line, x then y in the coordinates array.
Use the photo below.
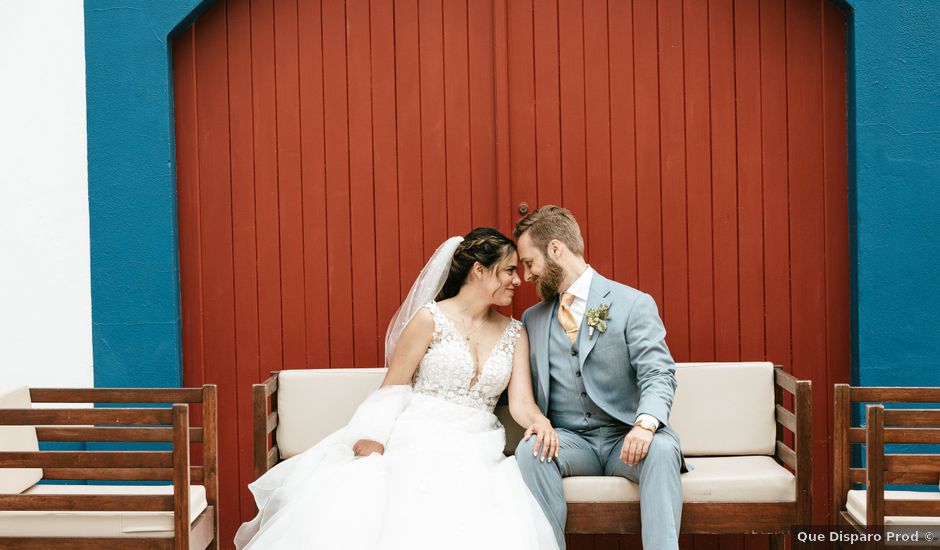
{"type": "Point", "coordinates": [566, 318]}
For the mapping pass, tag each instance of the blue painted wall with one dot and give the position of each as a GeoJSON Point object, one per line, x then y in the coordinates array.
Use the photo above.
{"type": "Point", "coordinates": [132, 189]}
{"type": "Point", "coordinates": [894, 153]}
{"type": "Point", "coordinates": [895, 79]}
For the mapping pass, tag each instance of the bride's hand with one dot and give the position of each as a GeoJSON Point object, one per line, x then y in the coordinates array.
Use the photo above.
{"type": "Point", "coordinates": [546, 441]}
{"type": "Point", "coordinates": [365, 447]}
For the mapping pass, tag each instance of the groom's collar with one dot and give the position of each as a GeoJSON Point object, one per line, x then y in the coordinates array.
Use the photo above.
{"type": "Point", "coordinates": [581, 287]}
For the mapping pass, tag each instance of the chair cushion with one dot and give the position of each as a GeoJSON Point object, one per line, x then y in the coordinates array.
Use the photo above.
{"type": "Point", "coordinates": [713, 479]}
{"type": "Point", "coordinates": [856, 506]}
{"type": "Point", "coordinates": [98, 524]}
{"type": "Point", "coordinates": [313, 403]}
{"type": "Point", "coordinates": [17, 438]}
{"type": "Point", "coordinates": [725, 409]}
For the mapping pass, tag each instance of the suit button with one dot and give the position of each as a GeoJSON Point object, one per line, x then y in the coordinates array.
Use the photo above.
{"type": "Point", "coordinates": [578, 374]}
{"type": "Point", "coordinates": [583, 394]}
{"type": "Point", "coordinates": [574, 352]}
{"type": "Point", "coordinates": [587, 415]}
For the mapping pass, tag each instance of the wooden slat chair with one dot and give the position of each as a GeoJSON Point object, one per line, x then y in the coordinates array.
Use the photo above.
{"type": "Point", "coordinates": [746, 479]}
{"type": "Point", "coordinates": [873, 507]}
{"type": "Point", "coordinates": [98, 516]}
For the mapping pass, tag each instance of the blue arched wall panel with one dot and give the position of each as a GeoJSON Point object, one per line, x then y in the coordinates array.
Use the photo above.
{"type": "Point", "coordinates": [894, 155]}
{"type": "Point", "coordinates": [132, 189]}
{"type": "Point", "coordinates": [895, 59]}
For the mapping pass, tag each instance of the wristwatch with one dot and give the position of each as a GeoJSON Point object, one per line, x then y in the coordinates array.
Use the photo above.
{"type": "Point", "coordinates": [646, 424]}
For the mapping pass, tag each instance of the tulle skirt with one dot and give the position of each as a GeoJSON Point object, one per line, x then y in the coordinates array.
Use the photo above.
{"type": "Point", "coordinates": [443, 482]}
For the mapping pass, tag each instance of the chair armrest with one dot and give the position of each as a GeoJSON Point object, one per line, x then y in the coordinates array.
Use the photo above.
{"type": "Point", "coordinates": [265, 454]}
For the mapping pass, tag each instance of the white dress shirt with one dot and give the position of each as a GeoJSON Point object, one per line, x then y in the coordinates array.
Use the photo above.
{"type": "Point", "coordinates": [581, 289]}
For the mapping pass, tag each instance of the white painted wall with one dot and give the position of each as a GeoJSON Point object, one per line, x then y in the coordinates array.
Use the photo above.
{"type": "Point", "coordinates": [45, 284]}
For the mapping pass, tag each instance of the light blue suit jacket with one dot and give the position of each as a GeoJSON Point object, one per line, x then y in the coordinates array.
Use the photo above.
{"type": "Point", "coordinates": [627, 369]}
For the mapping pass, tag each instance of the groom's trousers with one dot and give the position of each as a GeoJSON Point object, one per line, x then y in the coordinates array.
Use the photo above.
{"type": "Point", "coordinates": [596, 452]}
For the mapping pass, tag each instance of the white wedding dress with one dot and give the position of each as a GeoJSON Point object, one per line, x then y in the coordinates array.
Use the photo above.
{"type": "Point", "coordinates": [443, 481]}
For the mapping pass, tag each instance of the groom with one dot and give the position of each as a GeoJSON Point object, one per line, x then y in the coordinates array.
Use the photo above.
{"type": "Point", "coordinates": [603, 375]}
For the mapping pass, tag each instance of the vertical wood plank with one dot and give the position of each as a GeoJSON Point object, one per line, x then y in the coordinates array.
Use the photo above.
{"type": "Point", "coordinates": [750, 190]}
{"type": "Point", "coordinates": [385, 153]}
{"type": "Point", "coordinates": [623, 143]}
{"type": "Point", "coordinates": [776, 212]}
{"type": "Point", "coordinates": [547, 101]}
{"type": "Point", "coordinates": [522, 137]}
{"type": "Point", "coordinates": [571, 94]}
{"type": "Point", "coordinates": [361, 185]}
{"type": "Point", "coordinates": [505, 215]}
{"type": "Point", "coordinates": [336, 124]}
{"type": "Point", "coordinates": [244, 244]}
{"type": "Point", "coordinates": [187, 196]}
{"type": "Point", "coordinates": [699, 184]}
{"type": "Point", "coordinates": [408, 114]}
{"type": "Point", "coordinates": [217, 254]}
{"type": "Point", "coordinates": [599, 220]}
{"type": "Point", "coordinates": [481, 56]}
{"type": "Point", "coordinates": [649, 198]}
{"type": "Point", "coordinates": [313, 183]}
{"type": "Point", "coordinates": [433, 121]}
{"type": "Point", "coordinates": [290, 194]}
{"type": "Point", "coordinates": [838, 336]}
{"type": "Point", "coordinates": [724, 179]}
{"type": "Point", "coordinates": [266, 188]}
{"type": "Point", "coordinates": [457, 114]}
{"type": "Point", "coordinates": [675, 304]}
{"type": "Point", "coordinates": [807, 211]}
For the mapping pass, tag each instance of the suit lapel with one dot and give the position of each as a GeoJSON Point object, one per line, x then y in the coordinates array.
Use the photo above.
{"type": "Point", "coordinates": [600, 289]}
{"type": "Point", "coordinates": [543, 328]}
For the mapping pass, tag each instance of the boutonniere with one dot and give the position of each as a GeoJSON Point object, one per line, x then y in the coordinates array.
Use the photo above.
{"type": "Point", "coordinates": [597, 319]}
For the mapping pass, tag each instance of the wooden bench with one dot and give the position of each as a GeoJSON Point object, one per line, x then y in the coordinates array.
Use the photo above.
{"type": "Point", "coordinates": [872, 506]}
{"type": "Point", "coordinates": [113, 516]}
{"type": "Point", "coordinates": [730, 417]}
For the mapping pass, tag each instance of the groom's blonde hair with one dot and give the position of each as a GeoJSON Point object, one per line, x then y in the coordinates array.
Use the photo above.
{"type": "Point", "coordinates": [549, 223]}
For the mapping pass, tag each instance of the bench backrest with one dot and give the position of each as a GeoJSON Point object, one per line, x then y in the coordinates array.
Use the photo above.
{"type": "Point", "coordinates": [720, 408]}
{"type": "Point", "coordinates": [17, 438]}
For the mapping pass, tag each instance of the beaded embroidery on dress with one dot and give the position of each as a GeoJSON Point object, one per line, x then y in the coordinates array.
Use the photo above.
{"type": "Point", "coordinates": [448, 370]}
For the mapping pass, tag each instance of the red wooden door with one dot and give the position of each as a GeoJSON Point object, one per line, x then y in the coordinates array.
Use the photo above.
{"type": "Point", "coordinates": [702, 145]}
{"type": "Point", "coordinates": [324, 148]}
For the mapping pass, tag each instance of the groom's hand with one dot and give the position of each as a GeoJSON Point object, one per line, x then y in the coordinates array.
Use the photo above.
{"type": "Point", "coordinates": [365, 447]}
{"type": "Point", "coordinates": [636, 445]}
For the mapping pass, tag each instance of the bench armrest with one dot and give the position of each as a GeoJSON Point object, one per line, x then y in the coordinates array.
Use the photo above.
{"type": "Point", "coordinates": [799, 422]}
{"type": "Point", "coordinates": [264, 423]}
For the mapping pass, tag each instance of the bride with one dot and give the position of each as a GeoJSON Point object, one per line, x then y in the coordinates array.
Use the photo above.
{"type": "Point", "coordinates": [421, 464]}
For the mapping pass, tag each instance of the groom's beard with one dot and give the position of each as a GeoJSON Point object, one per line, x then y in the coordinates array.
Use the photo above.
{"type": "Point", "coordinates": [549, 281]}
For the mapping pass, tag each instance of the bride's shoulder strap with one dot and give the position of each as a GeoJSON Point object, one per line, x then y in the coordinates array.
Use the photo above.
{"type": "Point", "coordinates": [440, 322]}
{"type": "Point", "coordinates": [515, 327]}
{"type": "Point", "coordinates": [511, 336]}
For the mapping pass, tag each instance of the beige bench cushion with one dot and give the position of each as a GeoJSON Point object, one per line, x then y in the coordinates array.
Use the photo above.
{"type": "Point", "coordinates": [713, 479]}
{"type": "Point", "coordinates": [98, 524]}
{"type": "Point", "coordinates": [856, 506]}
{"type": "Point", "coordinates": [313, 403]}
{"type": "Point", "coordinates": [17, 438]}
{"type": "Point", "coordinates": [725, 409]}
{"type": "Point", "coordinates": [711, 399]}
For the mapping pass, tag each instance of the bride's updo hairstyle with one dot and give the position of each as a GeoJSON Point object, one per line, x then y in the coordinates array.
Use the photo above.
{"type": "Point", "coordinates": [485, 245]}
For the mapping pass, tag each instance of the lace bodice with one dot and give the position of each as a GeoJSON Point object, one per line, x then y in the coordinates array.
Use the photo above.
{"type": "Point", "coordinates": [447, 369]}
